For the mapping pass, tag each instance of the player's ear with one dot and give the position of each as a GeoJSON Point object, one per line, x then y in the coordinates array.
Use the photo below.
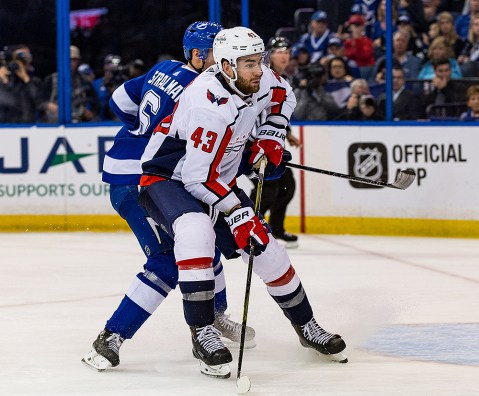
{"type": "Point", "coordinates": [227, 68]}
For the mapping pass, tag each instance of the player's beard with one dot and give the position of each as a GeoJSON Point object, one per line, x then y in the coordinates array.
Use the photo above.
{"type": "Point", "coordinates": [243, 86]}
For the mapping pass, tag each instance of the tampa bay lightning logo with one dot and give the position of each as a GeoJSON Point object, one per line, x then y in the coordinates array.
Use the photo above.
{"type": "Point", "coordinates": [215, 99]}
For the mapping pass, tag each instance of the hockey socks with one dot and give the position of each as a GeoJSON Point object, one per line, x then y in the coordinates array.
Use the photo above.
{"type": "Point", "coordinates": [127, 319]}
{"type": "Point", "coordinates": [197, 284]}
{"type": "Point", "coordinates": [144, 296]}
{"type": "Point", "coordinates": [289, 294]}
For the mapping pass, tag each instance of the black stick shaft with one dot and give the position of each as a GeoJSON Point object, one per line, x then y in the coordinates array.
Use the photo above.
{"type": "Point", "coordinates": [250, 268]}
{"type": "Point", "coordinates": [342, 175]}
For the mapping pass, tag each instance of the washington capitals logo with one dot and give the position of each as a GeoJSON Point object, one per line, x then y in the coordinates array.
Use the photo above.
{"type": "Point", "coordinates": [213, 98]}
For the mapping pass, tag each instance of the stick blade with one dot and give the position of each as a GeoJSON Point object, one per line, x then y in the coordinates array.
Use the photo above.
{"type": "Point", "coordinates": [405, 179]}
{"type": "Point", "coordinates": [243, 385]}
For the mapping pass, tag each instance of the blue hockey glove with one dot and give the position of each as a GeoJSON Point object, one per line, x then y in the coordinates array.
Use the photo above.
{"type": "Point", "coordinates": [278, 172]}
{"type": "Point", "coordinates": [246, 168]}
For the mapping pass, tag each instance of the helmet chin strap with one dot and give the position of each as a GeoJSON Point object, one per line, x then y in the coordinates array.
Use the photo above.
{"type": "Point", "coordinates": [231, 81]}
{"type": "Point", "coordinates": [190, 64]}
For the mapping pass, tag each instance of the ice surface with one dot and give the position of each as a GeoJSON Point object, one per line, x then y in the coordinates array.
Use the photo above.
{"type": "Point", "coordinates": [379, 293]}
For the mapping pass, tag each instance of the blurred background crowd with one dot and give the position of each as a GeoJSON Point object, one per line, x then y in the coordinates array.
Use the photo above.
{"type": "Point", "coordinates": [332, 52]}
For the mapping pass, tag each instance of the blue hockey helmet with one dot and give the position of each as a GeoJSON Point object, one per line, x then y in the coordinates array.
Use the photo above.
{"type": "Point", "coordinates": [200, 35]}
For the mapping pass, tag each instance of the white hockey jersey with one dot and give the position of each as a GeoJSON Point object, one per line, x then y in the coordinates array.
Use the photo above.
{"type": "Point", "coordinates": [202, 142]}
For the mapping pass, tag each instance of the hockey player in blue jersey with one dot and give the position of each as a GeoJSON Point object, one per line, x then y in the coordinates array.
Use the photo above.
{"type": "Point", "coordinates": [141, 104]}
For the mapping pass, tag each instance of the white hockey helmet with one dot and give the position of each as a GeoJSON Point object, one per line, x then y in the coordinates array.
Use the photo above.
{"type": "Point", "coordinates": [231, 44]}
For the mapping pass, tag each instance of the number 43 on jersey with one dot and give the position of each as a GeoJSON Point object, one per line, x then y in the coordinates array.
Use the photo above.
{"type": "Point", "coordinates": [205, 141]}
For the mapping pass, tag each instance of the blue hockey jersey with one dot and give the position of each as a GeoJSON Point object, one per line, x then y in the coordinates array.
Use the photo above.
{"type": "Point", "coordinates": [140, 104]}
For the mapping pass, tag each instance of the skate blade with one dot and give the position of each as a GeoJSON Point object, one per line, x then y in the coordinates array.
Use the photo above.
{"type": "Point", "coordinates": [292, 245]}
{"type": "Point", "coordinates": [250, 344]}
{"type": "Point", "coordinates": [334, 357]}
{"type": "Point", "coordinates": [338, 357]}
{"type": "Point", "coordinates": [288, 245]}
{"type": "Point", "coordinates": [96, 362]}
{"type": "Point", "coordinates": [218, 371]}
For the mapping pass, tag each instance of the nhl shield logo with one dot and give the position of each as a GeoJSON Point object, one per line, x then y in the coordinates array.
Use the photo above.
{"type": "Point", "coordinates": [367, 163]}
{"type": "Point", "coordinates": [368, 160]}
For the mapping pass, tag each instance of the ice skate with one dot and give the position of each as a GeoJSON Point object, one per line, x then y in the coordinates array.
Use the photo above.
{"type": "Point", "coordinates": [231, 331]}
{"type": "Point", "coordinates": [105, 351]}
{"type": "Point", "coordinates": [311, 335]}
{"type": "Point", "coordinates": [289, 241]}
{"type": "Point", "coordinates": [210, 350]}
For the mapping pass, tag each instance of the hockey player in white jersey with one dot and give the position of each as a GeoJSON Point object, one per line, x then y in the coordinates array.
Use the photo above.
{"type": "Point", "coordinates": [140, 104]}
{"type": "Point", "coordinates": [193, 159]}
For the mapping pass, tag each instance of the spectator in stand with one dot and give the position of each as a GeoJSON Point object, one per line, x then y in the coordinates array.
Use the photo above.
{"type": "Point", "coordinates": [378, 34]}
{"type": "Point", "coordinates": [409, 63]}
{"type": "Point", "coordinates": [432, 33]}
{"type": "Point", "coordinates": [358, 47]}
{"type": "Point", "coordinates": [359, 87]}
{"type": "Point", "coordinates": [406, 104]}
{"type": "Point", "coordinates": [113, 76]}
{"type": "Point", "coordinates": [430, 10]}
{"type": "Point", "coordinates": [459, 45]}
{"type": "Point", "coordinates": [472, 113]}
{"type": "Point", "coordinates": [86, 72]}
{"type": "Point", "coordinates": [464, 21]}
{"type": "Point", "coordinates": [438, 50]}
{"type": "Point", "coordinates": [20, 87]}
{"type": "Point", "coordinates": [474, 39]}
{"type": "Point", "coordinates": [339, 79]}
{"type": "Point", "coordinates": [136, 68]}
{"type": "Point", "coordinates": [336, 50]}
{"type": "Point", "coordinates": [6, 95]}
{"type": "Point", "coordinates": [84, 102]}
{"type": "Point", "coordinates": [368, 10]}
{"type": "Point", "coordinates": [414, 9]}
{"type": "Point", "coordinates": [316, 41]}
{"type": "Point", "coordinates": [297, 69]}
{"type": "Point", "coordinates": [313, 102]}
{"type": "Point", "coordinates": [365, 110]}
{"type": "Point", "coordinates": [443, 90]}
{"type": "Point", "coordinates": [379, 72]}
{"type": "Point", "coordinates": [415, 45]}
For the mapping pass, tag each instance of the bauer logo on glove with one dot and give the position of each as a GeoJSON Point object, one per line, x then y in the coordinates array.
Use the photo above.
{"type": "Point", "coordinates": [280, 134]}
{"type": "Point", "coordinates": [244, 224]}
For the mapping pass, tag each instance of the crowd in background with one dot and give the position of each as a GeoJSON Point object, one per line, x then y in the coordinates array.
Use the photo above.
{"type": "Point", "coordinates": [336, 75]}
{"type": "Point", "coordinates": [25, 98]}
{"type": "Point", "coordinates": [342, 75]}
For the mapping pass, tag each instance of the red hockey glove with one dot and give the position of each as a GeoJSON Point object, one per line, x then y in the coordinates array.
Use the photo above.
{"type": "Point", "coordinates": [245, 224]}
{"type": "Point", "coordinates": [269, 142]}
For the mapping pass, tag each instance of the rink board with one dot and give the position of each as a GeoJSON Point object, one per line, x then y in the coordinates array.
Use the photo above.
{"type": "Point", "coordinates": [51, 180]}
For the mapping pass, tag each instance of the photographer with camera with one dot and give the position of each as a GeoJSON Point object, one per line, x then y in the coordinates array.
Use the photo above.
{"type": "Point", "coordinates": [114, 75]}
{"type": "Point", "coordinates": [313, 102]}
{"type": "Point", "coordinates": [361, 105]}
{"type": "Point", "coordinates": [20, 91]}
{"type": "Point", "coordinates": [84, 102]}
{"type": "Point", "coordinates": [6, 96]}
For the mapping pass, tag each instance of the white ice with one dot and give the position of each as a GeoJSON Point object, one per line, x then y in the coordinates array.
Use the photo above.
{"type": "Point", "coordinates": [58, 289]}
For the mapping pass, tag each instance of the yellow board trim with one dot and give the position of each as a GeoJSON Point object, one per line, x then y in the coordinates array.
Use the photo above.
{"type": "Point", "coordinates": [62, 223]}
{"type": "Point", "coordinates": [386, 226]}
{"type": "Point", "coordinates": [314, 225]}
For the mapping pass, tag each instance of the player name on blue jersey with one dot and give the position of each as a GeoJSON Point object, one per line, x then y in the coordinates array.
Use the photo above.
{"type": "Point", "coordinates": [160, 80]}
{"type": "Point", "coordinates": [140, 104]}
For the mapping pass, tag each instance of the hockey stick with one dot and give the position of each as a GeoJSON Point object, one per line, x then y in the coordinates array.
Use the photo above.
{"type": "Point", "coordinates": [404, 179]}
{"type": "Point", "coordinates": [243, 384]}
